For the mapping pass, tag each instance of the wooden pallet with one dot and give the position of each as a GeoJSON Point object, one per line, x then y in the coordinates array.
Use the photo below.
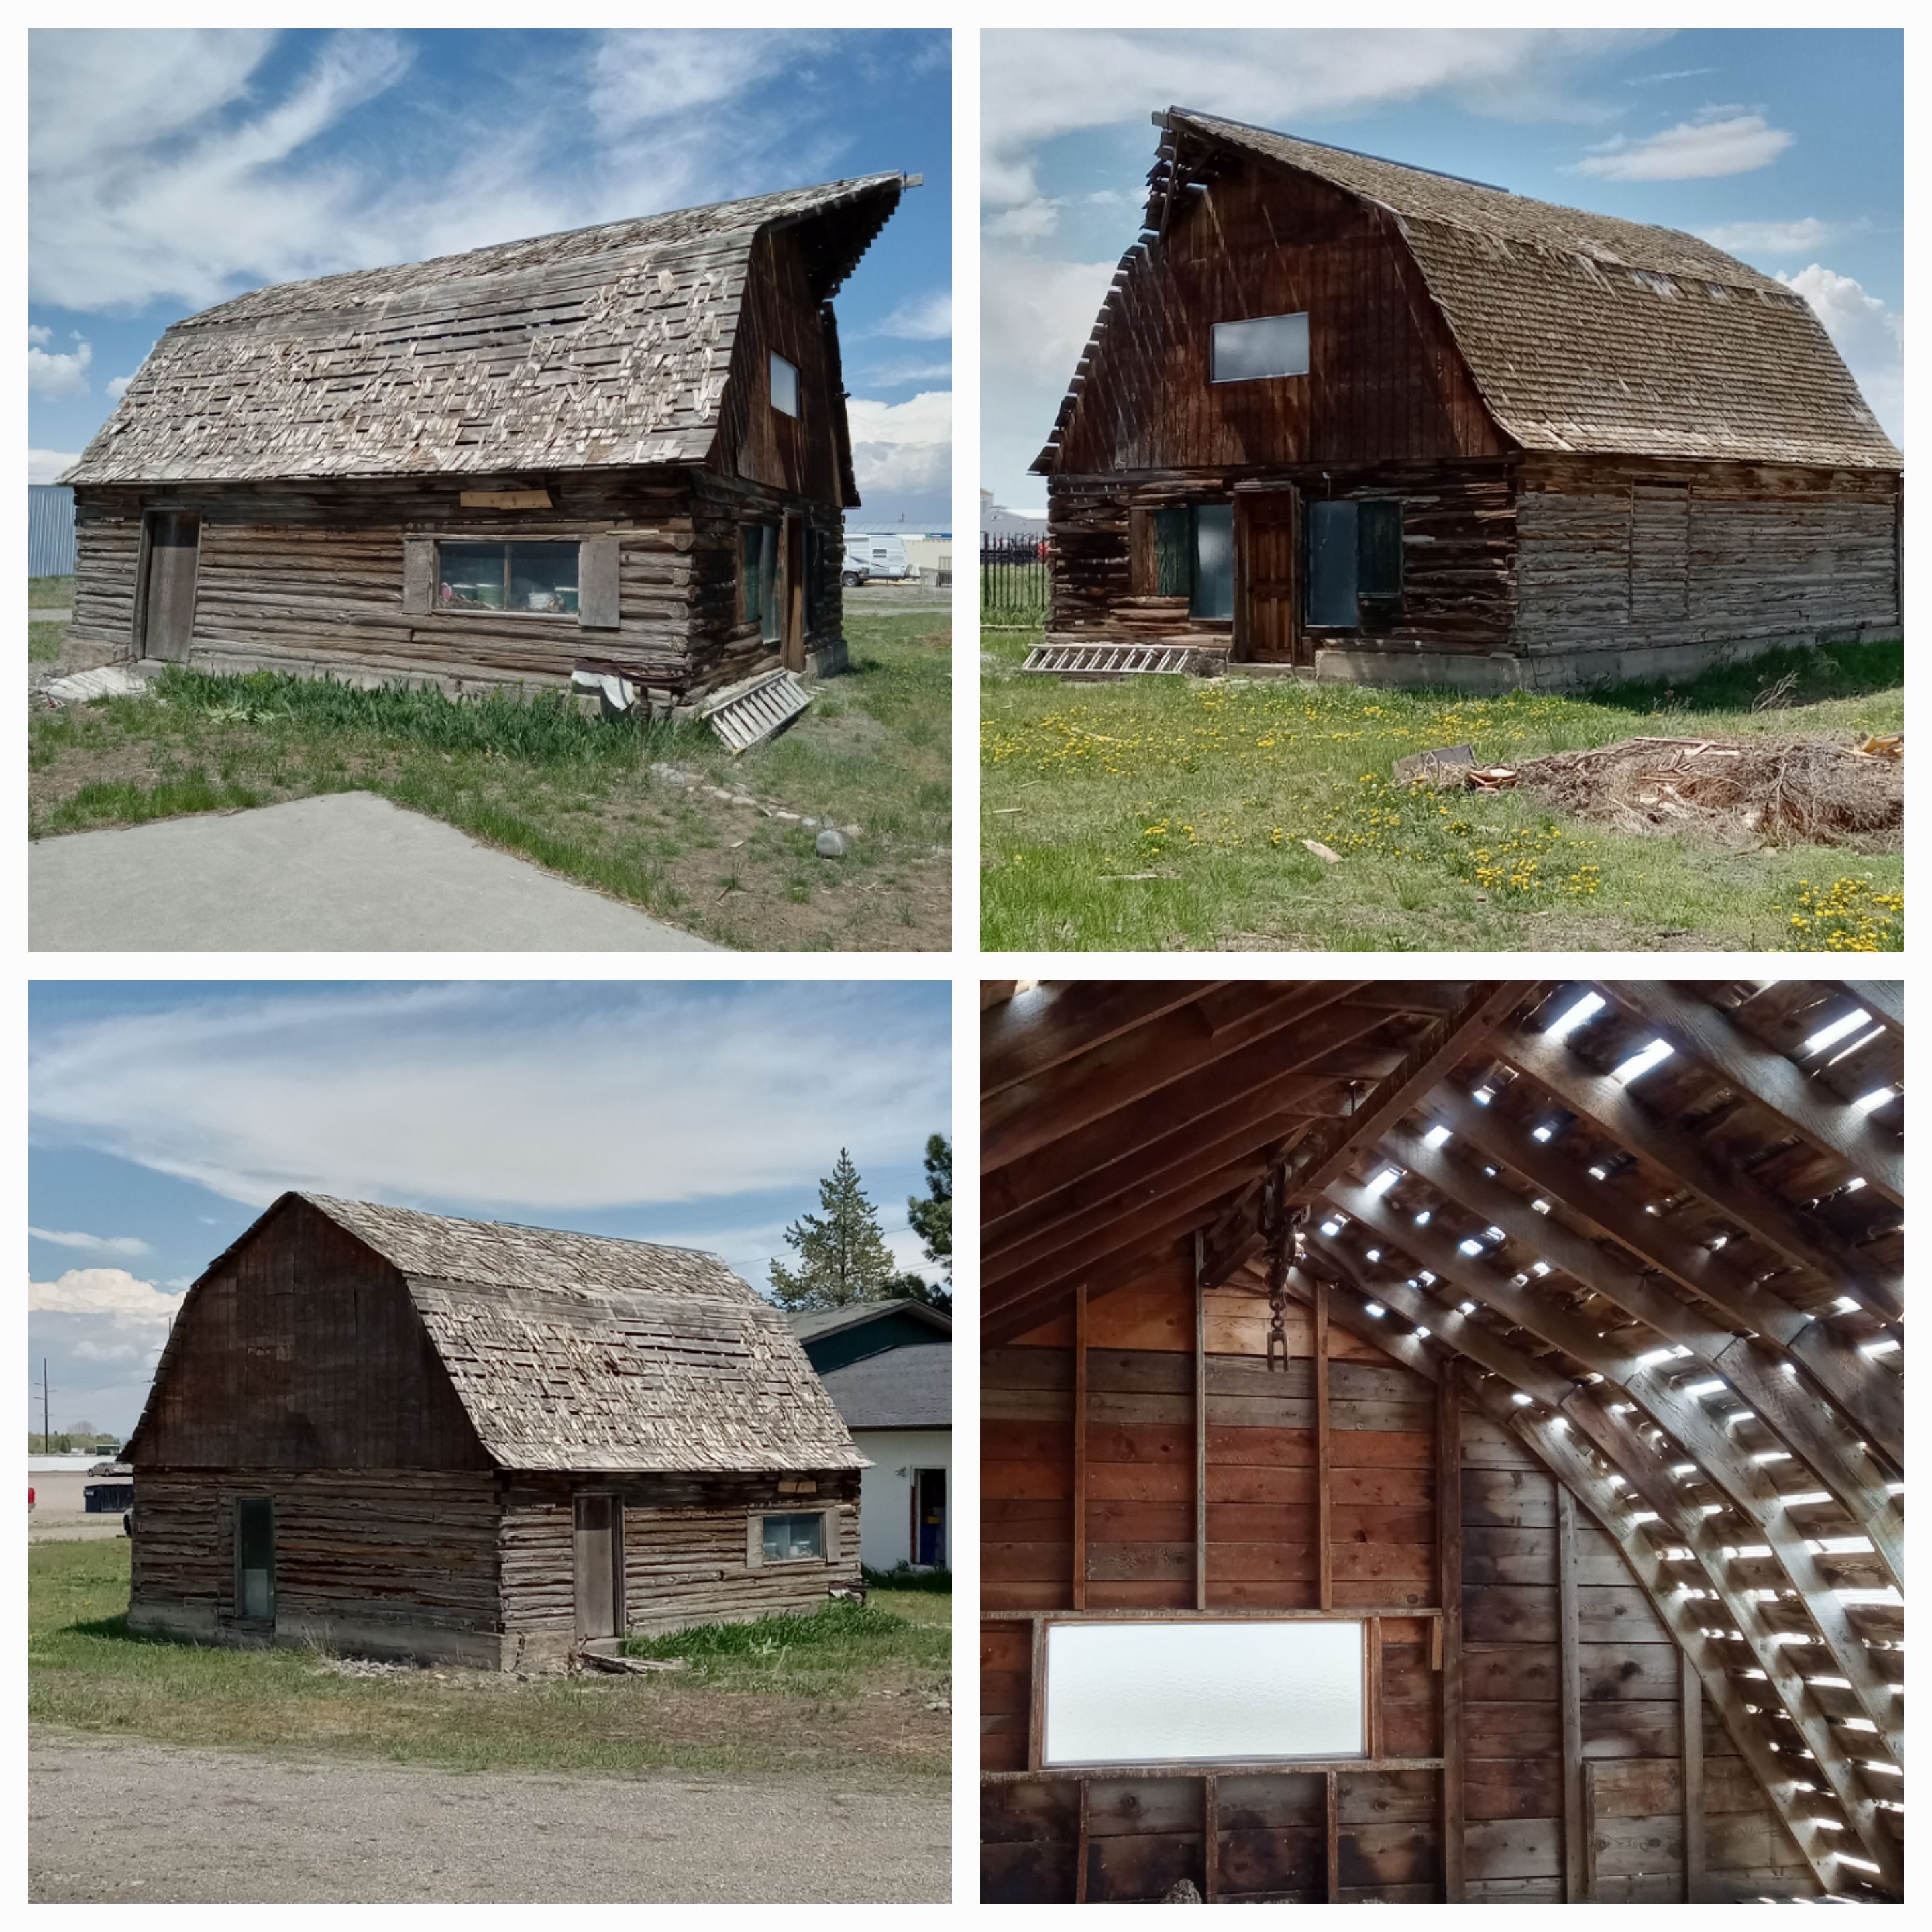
{"type": "Point", "coordinates": [748, 713]}
{"type": "Point", "coordinates": [1112, 660]}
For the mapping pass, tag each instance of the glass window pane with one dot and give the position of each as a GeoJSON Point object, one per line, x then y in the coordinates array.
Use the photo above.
{"type": "Point", "coordinates": [255, 1557]}
{"type": "Point", "coordinates": [1214, 560]}
{"type": "Point", "coordinates": [1214, 1692]}
{"type": "Point", "coordinates": [768, 574]}
{"type": "Point", "coordinates": [794, 1539]}
{"type": "Point", "coordinates": [471, 576]}
{"type": "Point", "coordinates": [785, 386]}
{"type": "Point", "coordinates": [751, 562]}
{"type": "Point", "coordinates": [1331, 565]}
{"type": "Point", "coordinates": [1270, 345]}
{"type": "Point", "coordinates": [1172, 575]}
{"type": "Point", "coordinates": [1378, 548]}
{"type": "Point", "coordinates": [543, 577]}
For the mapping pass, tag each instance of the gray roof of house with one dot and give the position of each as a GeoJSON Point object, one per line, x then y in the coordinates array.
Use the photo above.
{"type": "Point", "coordinates": [809, 1324]}
{"type": "Point", "coordinates": [901, 1388]}
{"type": "Point", "coordinates": [601, 347]}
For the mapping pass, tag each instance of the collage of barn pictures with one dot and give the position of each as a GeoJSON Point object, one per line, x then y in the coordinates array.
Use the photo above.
{"type": "Point", "coordinates": [538, 849]}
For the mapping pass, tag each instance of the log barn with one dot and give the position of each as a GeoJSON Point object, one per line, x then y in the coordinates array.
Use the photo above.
{"type": "Point", "coordinates": [622, 450]}
{"type": "Point", "coordinates": [401, 1435]}
{"type": "Point", "coordinates": [1373, 423]}
{"type": "Point", "coordinates": [1442, 1441]}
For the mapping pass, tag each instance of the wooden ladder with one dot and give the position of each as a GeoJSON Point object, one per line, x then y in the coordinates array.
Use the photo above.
{"type": "Point", "coordinates": [1110, 660]}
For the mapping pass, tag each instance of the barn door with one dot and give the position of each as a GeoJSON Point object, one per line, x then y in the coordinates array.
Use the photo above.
{"type": "Point", "coordinates": [173, 548]}
{"type": "Point", "coordinates": [792, 653]}
{"type": "Point", "coordinates": [600, 1558]}
{"type": "Point", "coordinates": [1268, 533]}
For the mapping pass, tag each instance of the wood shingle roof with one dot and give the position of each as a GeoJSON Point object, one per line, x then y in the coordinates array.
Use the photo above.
{"type": "Point", "coordinates": [600, 347]}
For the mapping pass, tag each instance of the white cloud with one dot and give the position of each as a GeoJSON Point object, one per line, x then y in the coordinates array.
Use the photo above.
{"type": "Point", "coordinates": [63, 373]}
{"type": "Point", "coordinates": [1024, 221]}
{"type": "Point", "coordinates": [38, 334]}
{"type": "Point", "coordinates": [474, 1093]}
{"type": "Point", "coordinates": [1868, 334]}
{"type": "Point", "coordinates": [1772, 238]}
{"type": "Point", "coordinates": [117, 387]}
{"type": "Point", "coordinates": [1720, 141]}
{"type": "Point", "coordinates": [103, 1291]}
{"type": "Point", "coordinates": [902, 448]}
{"type": "Point", "coordinates": [47, 466]}
{"type": "Point", "coordinates": [924, 319]}
{"type": "Point", "coordinates": [105, 1244]}
{"type": "Point", "coordinates": [1037, 83]}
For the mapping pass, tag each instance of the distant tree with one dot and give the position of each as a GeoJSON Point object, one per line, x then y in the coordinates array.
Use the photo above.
{"type": "Point", "coordinates": [842, 1256]}
{"type": "Point", "coordinates": [931, 1217]}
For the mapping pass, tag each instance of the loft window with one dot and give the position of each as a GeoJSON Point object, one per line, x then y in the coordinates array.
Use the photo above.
{"type": "Point", "coordinates": [1354, 552]}
{"type": "Point", "coordinates": [1212, 1692]}
{"type": "Point", "coordinates": [255, 1559]}
{"type": "Point", "coordinates": [758, 578]}
{"type": "Point", "coordinates": [1268, 346]}
{"type": "Point", "coordinates": [537, 579]}
{"type": "Point", "coordinates": [785, 386]}
{"type": "Point", "coordinates": [794, 1539]}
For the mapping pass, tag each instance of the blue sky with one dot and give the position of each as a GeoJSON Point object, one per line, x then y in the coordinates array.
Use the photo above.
{"type": "Point", "coordinates": [1785, 147]}
{"type": "Point", "coordinates": [170, 169]}
{"type": "Point", "coordinates": [166, 1116]}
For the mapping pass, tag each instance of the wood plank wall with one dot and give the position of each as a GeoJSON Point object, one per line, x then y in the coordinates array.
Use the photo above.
{"type": "Point", "coordinates": [1132, 1838]}
{"type": "Point", "coordinates": [308, 577]}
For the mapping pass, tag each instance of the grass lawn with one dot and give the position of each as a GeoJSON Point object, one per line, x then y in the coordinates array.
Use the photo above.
{"type": "Point", "coordinates": [50, 593]}
{"type": "Point", "coordinates": [848, 1691]}
{"type": "Point", "coordinates": [1158, 813]}
{"type": "Point", "coordinates": [577, 795]}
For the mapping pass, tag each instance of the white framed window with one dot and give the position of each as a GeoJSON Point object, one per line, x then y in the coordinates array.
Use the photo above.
{"type": "Point", "coordinates": [799, 1536]}
{"type": "Point", "coordinates": [1211, 1691]}
{"type": "Point", "coordinates": [785, 386]}
{"type": "Point", "coordinates": [1266, 346]}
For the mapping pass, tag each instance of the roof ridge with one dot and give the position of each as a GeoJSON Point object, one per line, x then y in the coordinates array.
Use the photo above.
{"type": "Point", "coordinates": [326, 1202]}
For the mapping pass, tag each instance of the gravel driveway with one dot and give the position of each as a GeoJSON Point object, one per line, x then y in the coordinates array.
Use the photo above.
{"type": "Point", "coordinates": [114, 1820]}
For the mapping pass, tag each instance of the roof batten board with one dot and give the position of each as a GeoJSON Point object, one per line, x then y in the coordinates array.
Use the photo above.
{"type": "Point", "coordinates": [1036, 1032]}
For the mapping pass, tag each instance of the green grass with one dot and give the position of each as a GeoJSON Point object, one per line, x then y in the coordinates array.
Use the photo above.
{"type": "Point", "coordinates": [574, 793]}
{"type": "Point", "coordinates": [1210, 788]}
{"type": "Point", "coordinates": [50, 593]}
{"type": "Point", "coordinates": [43, 641]}
{"type": "Point", "coordinates": [87, 1672]}
{"type": "Point", "coordinates": [822, 1654]}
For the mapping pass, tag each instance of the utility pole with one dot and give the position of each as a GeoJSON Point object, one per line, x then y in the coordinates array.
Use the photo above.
{"type": "Point", "coordinates": [46, 1428]}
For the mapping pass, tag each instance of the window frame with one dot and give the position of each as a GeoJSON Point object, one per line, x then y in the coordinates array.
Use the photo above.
{"type": "Point", "coordinates": [828, 1537]}
{"type": "Point", "coordinates": [1364, 512]}
{"type": "Point", "coordinates": [776, 363]}
{"type": "Point", "coordinates": [505, 609]}
{"type": "Point", "coordinates": [1217, 380]}
{"type": "Point", "coordinates": [768, 614]}
{"type": "Point", "coordinates": [240, 1613]}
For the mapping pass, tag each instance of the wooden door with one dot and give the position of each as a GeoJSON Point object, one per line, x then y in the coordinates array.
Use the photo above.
{"type": "Point", "coordinates": [929, 1517]}
{"type": "Point", "coordinates": [599, 1554]}
{"type": "Point", "coordinates": [1268, 533]}
{"type": "Point", "coordinates": [792, 652]}
{"type": "Point", "coordinates": [167, 602]}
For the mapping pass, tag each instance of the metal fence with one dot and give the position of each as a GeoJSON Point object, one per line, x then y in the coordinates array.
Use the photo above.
{"type": "Point", "coordinates": [50, 530]}
{"type": "Point", "coordinates": [1013, 583]}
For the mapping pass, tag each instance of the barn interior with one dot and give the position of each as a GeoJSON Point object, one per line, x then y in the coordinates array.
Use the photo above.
{"type": "Point", "coordinates": [1442, 1441]}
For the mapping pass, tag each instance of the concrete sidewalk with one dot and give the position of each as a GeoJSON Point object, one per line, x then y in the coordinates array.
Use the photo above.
{"type": "Point", "coordinates": [345, 873]}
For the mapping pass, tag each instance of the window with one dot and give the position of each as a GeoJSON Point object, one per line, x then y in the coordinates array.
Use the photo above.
{"type": "Point", "coordinates": [758, 575]}
{"type": "Point", "coordinates": [1354, 551]}
{"type": "Point", "coordinates": [528, 578]}
{"type": "Point", "coordinates": [1173, 553]}
{"type": "Point", "coordinates": [794, 1539]}
{"type": "Point", "coordinates": [814, 579]}
{"type": "Point", "coordinates": [1186, 551]}
{"type": "Point", "coordinates": [1212, 1692]}
{"type": "Point", "coordinates": [1270, 345]}
{"type": "Point", "coordinates": [1213, 561]}
{"type": "Point", "coordinates": [255, 1559]}
{"type": "Point", "coordinates": [785, 386]}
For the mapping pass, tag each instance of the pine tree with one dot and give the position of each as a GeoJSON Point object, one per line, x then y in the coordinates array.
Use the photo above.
{"type": "Point", "coordinates": [842, 1257]}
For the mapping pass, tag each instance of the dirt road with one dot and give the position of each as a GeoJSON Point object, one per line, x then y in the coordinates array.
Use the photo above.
{"type": "Point", "coordinates": [114, 1820]}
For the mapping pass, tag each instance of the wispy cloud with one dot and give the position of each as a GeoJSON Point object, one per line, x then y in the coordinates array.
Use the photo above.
{"type": "Point", "coordinates": [47, 466]}
{"type": "Point", "coordinates": [60, 372]}
{"type": "Point", "coordinates": [1868, 333]}
{"type": "Point", "coordinates": [105, 1244]}
{"type": "Point", "coordinates": [1774, 238]}
{"type": "Point", "coordinates": [1719, 141]}
{"type": "Point", "coordinates": [927, 318]}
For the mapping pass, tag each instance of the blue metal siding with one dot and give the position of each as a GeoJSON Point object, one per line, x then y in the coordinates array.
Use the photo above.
{"type": "Point", "coordinates": [50, 530]}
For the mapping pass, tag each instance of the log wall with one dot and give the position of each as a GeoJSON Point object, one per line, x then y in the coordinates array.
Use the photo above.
{"type": "Point", "coordinates": [1106, 1485]}
{"type": "Point", "coordinates": [686, 1554]}
{"type": "Point", "coordinates": [308, 577]}
{"type": "Point", "coordinates": [383, 1562]}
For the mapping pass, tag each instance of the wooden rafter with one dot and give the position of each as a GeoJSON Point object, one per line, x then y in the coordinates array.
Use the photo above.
{"type": "Point", "coordinates": [1030, 1035]}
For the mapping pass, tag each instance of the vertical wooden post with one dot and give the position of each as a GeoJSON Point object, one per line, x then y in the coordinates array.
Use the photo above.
{"type": "Point", "coordinates": [1588, 1779]}
{"type": "Point", "coordinates": [1576, 1880]}
{"type": "Point", "coordinates": [1449, 1584]}
{"type": "Point", "coordinates": [1375, 1688]}
{"type": "Point", "coordinates": [1333, 1858]}
{"type": "Point", "coordinates": [1080, 1852]}
{"type": "Point", "coordinates": [1691, 1692]}
{"type": "Point", "coordinates": [1036, 1697]}
{"type": "Point", "coordinates": [1325, 1553]}
{"type": "Point", "coordinates": [1080, 1447]}
{"type": "Point", "coordinates": [1211, 1832]}
{"type": "Point", "coordinates": [1200, 1425]}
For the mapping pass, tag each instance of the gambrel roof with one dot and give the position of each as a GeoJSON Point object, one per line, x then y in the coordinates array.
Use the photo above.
{"type": "Point", "coordinates": [601, 347]}
{"type": "Point", "coordinates": [1583, 333]}
{"type": "Point", "coordinates": [1657, 1225]}
{"type": "Point", "coordinates": [582, 1353]}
